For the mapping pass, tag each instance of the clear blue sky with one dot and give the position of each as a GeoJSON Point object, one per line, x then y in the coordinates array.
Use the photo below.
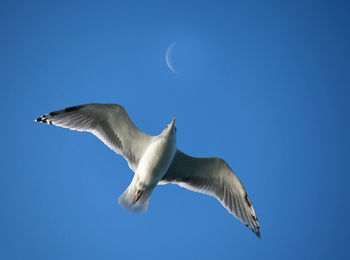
{"type": "Point", "coordinates": [262, 84]}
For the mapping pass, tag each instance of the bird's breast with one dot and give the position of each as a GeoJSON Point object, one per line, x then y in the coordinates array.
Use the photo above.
{"type": "Point", "coordinates": [156, 161]}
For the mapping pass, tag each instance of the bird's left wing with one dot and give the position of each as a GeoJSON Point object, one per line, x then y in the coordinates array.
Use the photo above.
{"type": "Point", "coordinates": [109, 122]}
{"type": "Point", "coordinates": [214, 177]}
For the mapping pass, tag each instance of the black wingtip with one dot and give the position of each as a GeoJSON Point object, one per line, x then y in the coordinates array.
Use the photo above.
{"type": "Point", "coordinates": [42, 119]}
{"type": "Point", "coordinates": [258, 234]}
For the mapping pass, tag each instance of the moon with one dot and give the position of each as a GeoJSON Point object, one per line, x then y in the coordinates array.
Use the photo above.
{"type": "Point", "coordinates": [168, 56]}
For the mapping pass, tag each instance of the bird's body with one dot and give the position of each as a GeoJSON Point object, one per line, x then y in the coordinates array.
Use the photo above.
{"type": "Point", "coordinates": [156, 160]}
{"type": "Point", "coordinates": [152, 167]}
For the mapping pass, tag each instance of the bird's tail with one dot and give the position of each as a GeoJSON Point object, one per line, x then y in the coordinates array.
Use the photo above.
{"type": "Point", "coordinates": [134, 200]}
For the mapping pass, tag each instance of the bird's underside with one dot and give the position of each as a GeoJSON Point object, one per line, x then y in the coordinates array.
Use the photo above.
{"type": "Point", "coordinates": [212, 176]}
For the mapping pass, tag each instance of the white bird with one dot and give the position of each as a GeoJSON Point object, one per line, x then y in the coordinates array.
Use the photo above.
{"type": "Point", "coordinates": [156, 160]}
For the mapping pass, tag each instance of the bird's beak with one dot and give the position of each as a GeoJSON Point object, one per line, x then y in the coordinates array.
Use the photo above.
{"type": "Point", "coordinates": [173, 122]}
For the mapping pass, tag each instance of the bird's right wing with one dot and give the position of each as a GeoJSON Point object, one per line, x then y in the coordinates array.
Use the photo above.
{"type": "Point", "coordinates": [109, 122]}
{"type": "Point", "coordinates": [214, 177]}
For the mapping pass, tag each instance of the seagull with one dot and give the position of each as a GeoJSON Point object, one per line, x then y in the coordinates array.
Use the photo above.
{"type": "Point", "coordinates": [156, 160]}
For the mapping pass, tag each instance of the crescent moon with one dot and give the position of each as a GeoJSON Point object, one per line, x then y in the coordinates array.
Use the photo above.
{"type": "Point", "coordinates": [167, 57]}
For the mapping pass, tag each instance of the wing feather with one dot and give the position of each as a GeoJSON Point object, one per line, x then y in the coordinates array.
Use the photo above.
{"type": "Point", "coordinates": [213, 176]}
{"type": "Point", "coordinates": [109, 122]}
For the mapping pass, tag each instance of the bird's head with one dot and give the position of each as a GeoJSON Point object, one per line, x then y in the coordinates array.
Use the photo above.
{"type": "Point", "coordinates": [170, 129]}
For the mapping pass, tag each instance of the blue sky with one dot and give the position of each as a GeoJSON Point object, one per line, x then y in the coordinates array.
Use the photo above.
{"type": "Point", "coordinates": [262, 84]}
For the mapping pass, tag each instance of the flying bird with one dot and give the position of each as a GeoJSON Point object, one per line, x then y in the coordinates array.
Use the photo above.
{"type": "Point", "coordinates": [156, 160]}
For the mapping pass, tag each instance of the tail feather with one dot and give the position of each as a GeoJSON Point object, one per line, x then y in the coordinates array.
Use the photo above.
{"type": "Point", "coordinates": [141, 205]}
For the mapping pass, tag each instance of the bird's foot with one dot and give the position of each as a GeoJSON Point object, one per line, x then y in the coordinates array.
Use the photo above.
{"type": "Point", "coordinates": [137, 196]}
